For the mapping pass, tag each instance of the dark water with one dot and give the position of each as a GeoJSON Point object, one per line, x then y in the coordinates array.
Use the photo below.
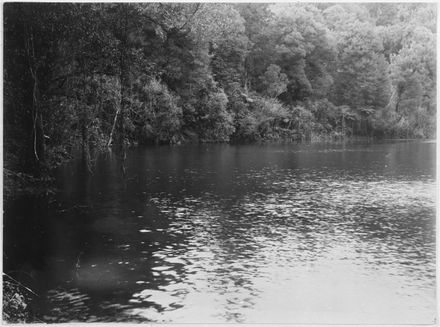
{"type": "Point", "coordinates": [222, 233]}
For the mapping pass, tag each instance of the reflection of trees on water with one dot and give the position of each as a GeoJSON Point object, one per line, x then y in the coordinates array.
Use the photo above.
{"type": "Point", "coordinates": [183, 229]}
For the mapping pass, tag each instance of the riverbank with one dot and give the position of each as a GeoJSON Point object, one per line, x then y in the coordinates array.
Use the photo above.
{"type": "Point", "coordinates": [19, 183]}
{"type": "Point", "coordinates": [17, 299]}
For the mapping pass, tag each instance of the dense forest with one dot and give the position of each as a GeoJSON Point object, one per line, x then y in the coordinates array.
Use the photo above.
{"type": "Point", "coordinates": [86, 76]}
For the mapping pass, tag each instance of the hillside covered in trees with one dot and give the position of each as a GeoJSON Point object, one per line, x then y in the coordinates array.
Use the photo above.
{"type": "Point", "coordinates": [96, 75]}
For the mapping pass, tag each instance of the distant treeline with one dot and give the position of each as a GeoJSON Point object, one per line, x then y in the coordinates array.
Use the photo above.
{"type": "Point", "coordinates": [93, 75]}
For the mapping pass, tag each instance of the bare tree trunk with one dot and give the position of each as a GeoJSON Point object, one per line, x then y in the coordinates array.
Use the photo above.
{"type": "Point", "coordinates": [85, 126]}
{"type": "Point", "coordinates": [118, 122]}
{"type": "Point", "coordinates": [37, 117]}
{"type": "Point", "coordinates": [109, 143]}
{"type": "Point", "coordinates": [343, 125]}
{"type": "Point", "coordinates": [124, 80]}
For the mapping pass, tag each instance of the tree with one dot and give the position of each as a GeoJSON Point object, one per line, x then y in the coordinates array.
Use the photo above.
{"type": "Point", "coordinates": [85, 76]}
{"type": "Point", "coordinates": [361, 77]}
{"type": "Point", "coordinates": [273, 81]}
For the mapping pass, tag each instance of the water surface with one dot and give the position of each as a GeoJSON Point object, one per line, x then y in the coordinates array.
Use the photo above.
{"type": "Point", "coordinates": [237, 233]}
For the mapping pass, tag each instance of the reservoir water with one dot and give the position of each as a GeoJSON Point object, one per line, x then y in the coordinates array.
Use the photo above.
{"type": "Point", "coordinates": [321, 233]}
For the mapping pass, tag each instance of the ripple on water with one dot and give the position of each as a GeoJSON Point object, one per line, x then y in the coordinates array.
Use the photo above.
{"type": "Point", "coordinates": [318, 243]}
{"type": "Point", "coordinates": [300, 226]}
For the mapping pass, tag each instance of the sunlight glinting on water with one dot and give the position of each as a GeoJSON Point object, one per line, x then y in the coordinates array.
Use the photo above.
{"type": "Point", "coordinates": [276, 234]}
{"type": "Point", "coordinates": [291, 251]}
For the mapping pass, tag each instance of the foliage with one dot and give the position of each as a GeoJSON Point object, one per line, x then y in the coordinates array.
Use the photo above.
{"type": "Point", "coordinates": [90, 75]}
{"type": "Point", "coordinates": [155, 114]}
{"type": "Point", "coordinates": [273, 81]}
{"type": "Point", "coordinates": [17, 300]}
{"type": "Point", "coordinates": [215, 122]}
